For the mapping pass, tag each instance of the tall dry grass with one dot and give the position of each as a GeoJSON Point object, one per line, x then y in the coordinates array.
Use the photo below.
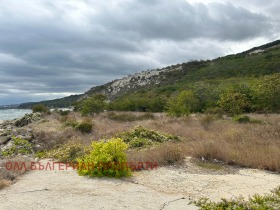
{"type": "Point", "coordinates": [250, 145]}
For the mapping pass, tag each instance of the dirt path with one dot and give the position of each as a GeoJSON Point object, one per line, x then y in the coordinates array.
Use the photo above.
{"type": "Point", "coordinates": [165, 188]}
{"type": "Point", "coordinates": [66, 190]}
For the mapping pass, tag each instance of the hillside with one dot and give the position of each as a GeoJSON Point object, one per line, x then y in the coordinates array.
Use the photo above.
{"type": "Point", "coordinates": [231, 69]}
{"type": "Point", "coordinates": [56, 103]}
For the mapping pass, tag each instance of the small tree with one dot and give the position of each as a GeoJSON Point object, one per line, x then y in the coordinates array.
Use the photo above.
{"type": "Point", "coordinates": [234, 103]}
{"type": "Point", "coordinates": [93, 105]}
{"type": "Point", "coordinates": [183, 104]}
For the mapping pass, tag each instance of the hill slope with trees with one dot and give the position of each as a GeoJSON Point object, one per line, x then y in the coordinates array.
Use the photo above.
{"type": "Point", "coordinates": [244, 82]}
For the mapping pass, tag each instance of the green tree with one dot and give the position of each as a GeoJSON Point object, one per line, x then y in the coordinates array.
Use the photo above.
{"type": "Point", "coordinates": [93, 105]}
{"type": "Point", "coordinates": [268, 93]}
{"type": "Point", "coordinates": [233, 102]}
{"type": "Point", "coordinates": [207, 95]}
{"type": "Point", "coordinates": [183, 104]}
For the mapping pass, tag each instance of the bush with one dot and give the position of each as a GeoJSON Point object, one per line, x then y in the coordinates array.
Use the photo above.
{"type": "Point", "coordinates": [234, 102]}
{"type": "Point", "coordinates": [40, 108]}
{"type": "Point", "coordinates": [84, 127]}
{"type": "Point", "coordinates": [257, 202]}
{"type": "Point", "coordinates": [241, 119]}
{"type": "Point", "coordinates": [67, 153]}
{"type": "Point", "coordinates": [107, 158]}
{"type": "Point", "coordinates": [141, 137]}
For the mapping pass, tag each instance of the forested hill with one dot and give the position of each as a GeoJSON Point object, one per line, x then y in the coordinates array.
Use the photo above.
{"type": "Point", "coordinates": [161, 84]}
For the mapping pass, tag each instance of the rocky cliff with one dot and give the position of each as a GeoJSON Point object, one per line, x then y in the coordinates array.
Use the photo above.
{"type": "Point", "coordinates": [134, 82]}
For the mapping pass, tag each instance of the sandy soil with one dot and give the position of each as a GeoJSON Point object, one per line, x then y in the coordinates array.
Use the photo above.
{"type": "Point", "coordinates": [164, 188]}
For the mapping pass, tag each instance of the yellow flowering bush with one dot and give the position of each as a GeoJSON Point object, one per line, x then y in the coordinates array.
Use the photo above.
{"type": "Point", "coordinates": [107, 158]}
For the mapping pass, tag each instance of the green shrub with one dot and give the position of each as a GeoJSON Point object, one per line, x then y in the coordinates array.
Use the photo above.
{"type": "Point", "coordinates": [107, 158]}
{"type": "Point", "coordinates": [241, 119]}
{"type": "Point", "coordinates": [40, 108]}
{"type": "Point", "coordinates": [67, 153]}
{"type": "Point", "coordinates": [267, 202]}
{"type": "Point", "coordinates": [41, 154]}
{"type": "Point", "coordinates": [141, 137]}
{"type": "Point", "coordinates": [20, 146]}
{"type": "Point", "coordinates": [84, 127]}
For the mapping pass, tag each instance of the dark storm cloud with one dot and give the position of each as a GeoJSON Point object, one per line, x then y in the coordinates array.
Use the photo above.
{"type": "Point", "coordinates": [50, 49]}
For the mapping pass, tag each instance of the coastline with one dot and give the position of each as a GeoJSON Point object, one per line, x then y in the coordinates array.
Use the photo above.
{"type": "Point", "coordinates": [13, 114]}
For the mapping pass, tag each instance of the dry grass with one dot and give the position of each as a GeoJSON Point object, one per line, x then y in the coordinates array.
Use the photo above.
{"type": "Point", "coordinates": [7, 177]}
{"type": "Point", "coordinates": [251, 145]}
{"type": "Point", "coordinates": [165, 154]}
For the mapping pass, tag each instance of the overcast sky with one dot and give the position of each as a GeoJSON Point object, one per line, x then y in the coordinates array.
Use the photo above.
{"type": "Point", "coordinates": [50, 49]}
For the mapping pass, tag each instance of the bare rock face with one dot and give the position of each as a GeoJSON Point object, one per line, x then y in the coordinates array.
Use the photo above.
{"type": "Point", "coordinates": [133, 82]}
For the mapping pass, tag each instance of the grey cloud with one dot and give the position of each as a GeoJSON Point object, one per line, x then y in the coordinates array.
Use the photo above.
{"type": "Point", "coordinates": [50, 48]}
{"type": "Point", "coordinates": [182, 21]}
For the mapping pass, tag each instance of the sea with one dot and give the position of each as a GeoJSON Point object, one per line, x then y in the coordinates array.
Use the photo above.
{"type": "Point", "coordinates": [10, 114]}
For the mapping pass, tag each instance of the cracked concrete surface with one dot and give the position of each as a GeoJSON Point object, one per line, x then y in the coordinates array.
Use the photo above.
{"type": "Point", "coordinates": [166, 188]}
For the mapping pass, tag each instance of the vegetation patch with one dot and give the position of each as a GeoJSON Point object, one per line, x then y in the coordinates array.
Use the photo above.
{"type": "Point", "coordinates": [141, 137]}
{"type": "Point", "coordinates": [245, 119]}
{"type": "Point", "coordinates": [241, 119]}
{"type": "Point", "coordinates": [84, 127]}
{"type": "Point", "coordinates": [19, 146]}
{"type": "Point", "coordinates": [68, 152]}
{"type": "Point", "coordinates": [129, 117]}
{"type": "Point", "coordinates": [256, 202]}
{"type": "Point", "coordinates": [107, 158]}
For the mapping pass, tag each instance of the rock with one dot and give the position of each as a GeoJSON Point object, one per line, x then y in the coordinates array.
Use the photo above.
{"type": "Point", "coordinates": [4, 139]}
{"type": "Point", "coordinates": [23, 121]}
{"type": "Point", "coordinates": [28, 118]}
{"type": "Point", "coordinates": [8, 146]}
